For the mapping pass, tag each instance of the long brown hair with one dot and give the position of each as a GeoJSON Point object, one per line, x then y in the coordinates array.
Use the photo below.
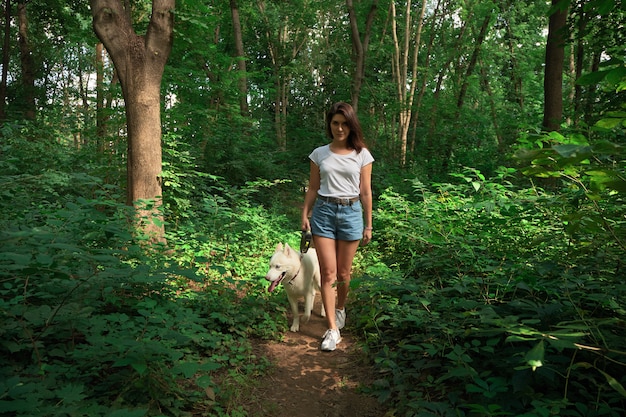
{"type": "Point", "coordinates": [355, 139]}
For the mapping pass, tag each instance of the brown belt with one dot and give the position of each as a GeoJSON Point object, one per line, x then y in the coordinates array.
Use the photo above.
{"type": "Point", "coordinates": [340, 201]}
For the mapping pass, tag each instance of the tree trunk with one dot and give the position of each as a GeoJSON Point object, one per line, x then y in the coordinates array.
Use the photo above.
{"type": "Point", "coordinates": [492, 106]}
{"type": "Point", "coordinates": [400, 65]}
{"type": "Point", "coordinates": [139, 62]}
{"type": "Point", "coordinates": [241, 59]}
{"type": "Point", "coordinates": [425, 76]}
{"type": "Point", "coordinates": [471, 66]}
{"type": "Point", "coordinates": [553, 79]}
{"type": "Point", "coordinates": [579, 63]}
{"type": "Point", "coordinates": [6, 44]}
{"type": "Point", "coordinates": [284, 44]}
{"type": "Point", "coordinates": [359, 48]}
{"type": "Point", "coordinates": [516, 80]}
{"type": "Point", "coordinates": [101, 129]}
{"type": "Point", "coordinates": [27, 63]}
{"type": "Point", "coordinates": [442, 74]}
{"type": "Point", "coordinates": [280, 109]}
{"type": "Point", "coordinates": [590, 100]}
{"type": "Point", "coordinates": [472, 63]}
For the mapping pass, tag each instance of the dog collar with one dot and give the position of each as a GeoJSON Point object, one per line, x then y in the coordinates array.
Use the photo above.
{"type": "Point", "coordinates": [294, 277]}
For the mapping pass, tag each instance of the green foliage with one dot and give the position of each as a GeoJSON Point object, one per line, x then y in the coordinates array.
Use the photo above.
{"type": "Point", "coordinates": [92, 324]}
{"type": "Point", "coordinates": [595, 178]}
{"type": "Point", "coordinates": [498, 309]}
{"type": "Point", "coordinates": [479, 296]}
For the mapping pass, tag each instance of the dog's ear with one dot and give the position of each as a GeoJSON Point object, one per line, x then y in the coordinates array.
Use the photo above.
{"type": "Point", "coordinates": [287, 249]}
{"type": "Point", "coordinates": [279, 247]}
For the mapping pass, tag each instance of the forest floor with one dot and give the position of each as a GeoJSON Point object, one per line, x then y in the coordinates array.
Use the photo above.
{"type": "Point", "coordinates": [306, 382]}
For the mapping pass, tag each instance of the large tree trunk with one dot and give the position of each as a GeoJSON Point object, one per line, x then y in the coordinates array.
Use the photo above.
{"type": "Point", "coordinates": [359, 48]}
{"type": "Point", "coordinates": [139, 62]}
{"type": "Point", "coordinates": [241, 59]}
{"type": "Point", "coordinates": [553, 79]}
{"type": "Point", "coordinates": [27, 62]}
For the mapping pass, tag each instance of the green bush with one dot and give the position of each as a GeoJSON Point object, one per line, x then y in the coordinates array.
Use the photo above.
{"type": "Point", "coordinates": [93, 324]}
{"type": "Point", "coordinates": [497, 311]}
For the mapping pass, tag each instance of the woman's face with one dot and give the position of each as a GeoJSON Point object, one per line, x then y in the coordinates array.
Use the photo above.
{"type": "Point", "coordinates": [339, 127]}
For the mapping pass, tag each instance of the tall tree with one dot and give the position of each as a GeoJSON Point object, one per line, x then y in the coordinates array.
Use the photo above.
{"type": "Point", "coordinates": [425, 72]}
{"type": "Point", "coordinates": [469, 71]}
{"type": "Point", "coordinates": [451, 54]}
{"type": "Point", "coordinates": [100, 117]}
{"type": "Point", "coordinates": [405, 75]}
{"type": "Point", "coordinates": [6, 43]}
{"type": "Point", "coordinates": [140, 62]}
{"type": "Point", "coordinates": [286, 31]}
{"type": "Point", "coordinates": [515, 89]}
{"type": "Point", "coordinates": [555, 55]}
{"type": "Point", "coordinates": [359, 47]}
{"type": "Point", "coordinates": [27, 62]}
{"type": "Point", "coordinates": [241, 58]}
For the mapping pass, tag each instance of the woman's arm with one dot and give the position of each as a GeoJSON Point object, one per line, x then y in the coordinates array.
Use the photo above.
{"type": "Point", "coordinates": [366, 201]}
{"type": "Point", "coordinates": [311, 195]}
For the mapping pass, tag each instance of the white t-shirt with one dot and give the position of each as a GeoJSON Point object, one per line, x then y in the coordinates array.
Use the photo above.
{"type": "Point", "coordinates": [340, 175]}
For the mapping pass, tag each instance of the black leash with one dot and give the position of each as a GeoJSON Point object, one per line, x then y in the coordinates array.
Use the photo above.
{"type": "Point", "coordinates": [305, 241]}
{"type": "Point", "coordinates": [305, 244]}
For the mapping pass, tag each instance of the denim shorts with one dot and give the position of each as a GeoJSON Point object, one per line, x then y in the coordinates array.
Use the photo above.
{"type": "Point", "coordinates": [335, 221]}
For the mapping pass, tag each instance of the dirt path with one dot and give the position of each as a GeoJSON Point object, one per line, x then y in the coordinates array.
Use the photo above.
{"type": "Point", "coordinates": [307, 382]}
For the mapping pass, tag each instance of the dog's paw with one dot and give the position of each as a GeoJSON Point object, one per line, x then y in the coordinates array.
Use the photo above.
{"type": "Point", "coordinates": [295, 325]}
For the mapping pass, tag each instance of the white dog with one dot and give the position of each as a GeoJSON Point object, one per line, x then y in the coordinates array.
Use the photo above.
{"type": "Point", "coordinates": [300, 275]}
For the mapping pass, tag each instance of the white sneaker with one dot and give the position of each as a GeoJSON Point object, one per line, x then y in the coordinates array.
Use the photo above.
{"type": "Point", "coordinates": [331, 338]}
{"type": "Point", "coordinates": [340, 318]}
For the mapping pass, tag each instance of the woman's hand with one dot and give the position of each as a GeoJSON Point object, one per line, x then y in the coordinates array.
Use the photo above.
{"type": "Point", "coordinates": [367, 236]}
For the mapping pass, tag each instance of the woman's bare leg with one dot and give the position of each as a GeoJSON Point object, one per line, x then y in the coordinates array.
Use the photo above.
{"type": "Point", "coordinates": [345, 255]}
{"type": "Point", "coordinates": [335, 259]}
{"type": "Point", "coordinates": [327, 255]}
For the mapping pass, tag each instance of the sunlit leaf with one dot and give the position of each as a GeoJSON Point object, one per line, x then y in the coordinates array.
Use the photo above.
{"type": "Point", "coordinates": [535, 356]}
{"type": "Point", "coordinates": [609, 123]}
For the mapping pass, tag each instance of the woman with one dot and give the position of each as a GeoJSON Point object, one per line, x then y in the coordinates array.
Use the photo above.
{"type": "Point", "coordinates": [340, 193]}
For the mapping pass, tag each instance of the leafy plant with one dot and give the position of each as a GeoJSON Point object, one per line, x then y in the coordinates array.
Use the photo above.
{"type": "Point", "coordinates": [498, 312]}
{"type": "Point", "coordinates": [92, 324]}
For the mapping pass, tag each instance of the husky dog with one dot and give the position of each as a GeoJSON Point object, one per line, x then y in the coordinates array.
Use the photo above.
{"type": "Point", "coordinates": [300, 275]}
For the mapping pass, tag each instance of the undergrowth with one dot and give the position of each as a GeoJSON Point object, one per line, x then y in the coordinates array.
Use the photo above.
{"type": "Point", "coordinates": [484, 299]}
{"type": "Point", "coordinates": [478, 297]}
{"type": "Point", "coordinates": [93, 324]}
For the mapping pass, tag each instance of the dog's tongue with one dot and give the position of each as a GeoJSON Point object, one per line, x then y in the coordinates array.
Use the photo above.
{"type": "Point", "coordinates": [273, 285]}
